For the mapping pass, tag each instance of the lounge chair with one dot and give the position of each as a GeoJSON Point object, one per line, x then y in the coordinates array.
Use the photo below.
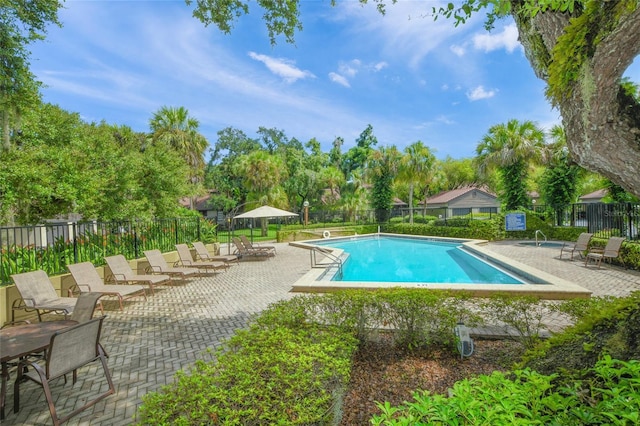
{"type": "Point", "coordinates": [248, 244]}
{"type": "Point", "coordinates": [245, 252]}
{"type": "Point", "coordinates": [37, 294]}
{"type": "Point", "coordinates": [580, 246]}
{"type": "Point", "coordinates": [610, 251]}
{"type": "Point", "coordinates": [186, 260]}
{"type": "Point", "coordinates": [89, 281]}
{"type": "Point", "coordinates": [121, 273]}
{"type": "Point", "coordinates": [158, 265]}
{"type": "Point", "coordinates": [70, 349]}
{"type": "Point", "coordinates": [203, 254]}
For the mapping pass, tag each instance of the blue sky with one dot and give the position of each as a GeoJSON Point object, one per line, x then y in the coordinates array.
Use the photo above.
{"type": "Point", "coordinates": [409, 77]}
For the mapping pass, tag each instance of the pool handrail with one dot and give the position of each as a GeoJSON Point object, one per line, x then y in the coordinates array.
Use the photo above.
{"type": "Point", "coordinates": [328, 253]}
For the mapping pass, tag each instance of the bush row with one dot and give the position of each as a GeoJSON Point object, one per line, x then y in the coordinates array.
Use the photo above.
{"type": "Point", "coordinates": [490, 229]}
{"type": "Point", "coordinates": [588, 374]}
{"type": "Point", "coordinates": [291, 365]}
{"type": "Point", "coordinates": [264, 375]}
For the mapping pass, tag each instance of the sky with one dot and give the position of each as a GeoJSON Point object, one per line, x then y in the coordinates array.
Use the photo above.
{"type": "Point", "coordinates": [410, 78]}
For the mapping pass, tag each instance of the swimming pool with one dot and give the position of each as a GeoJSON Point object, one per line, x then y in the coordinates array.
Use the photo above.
{"type": "Point", "coordinates": [397, 259]}
{"type": "Point", "coordinates": [324, 252]}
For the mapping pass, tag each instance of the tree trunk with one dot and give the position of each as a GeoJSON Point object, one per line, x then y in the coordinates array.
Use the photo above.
{"type": "Point", "coordinates": [411, 203]}
{"type": "Point", "coordinates": [602, 124]}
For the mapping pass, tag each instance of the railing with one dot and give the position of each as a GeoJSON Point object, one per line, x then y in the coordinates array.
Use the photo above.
{"type": "Point", "coordinates": [334, 261]}
{"type": "Point", "coordinates": [541, 233]}
{"type": "Point", "coordinates": [51, 247]}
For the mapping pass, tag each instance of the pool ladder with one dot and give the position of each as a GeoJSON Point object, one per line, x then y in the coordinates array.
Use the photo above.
{"type": "Point", "coordinates": [334, 261]}
{"type": "Point", "coordinates": [541, 233]}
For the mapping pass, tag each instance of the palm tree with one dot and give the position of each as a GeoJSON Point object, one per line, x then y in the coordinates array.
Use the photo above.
{"type": "Point", "coordinates": [416, 167]}
{"type": "Point", "coordinates": [263, 175]}
{"type": "Point", "coordinates": [177, 129]}
{"type": "Point", "coordinates": [510, 148]}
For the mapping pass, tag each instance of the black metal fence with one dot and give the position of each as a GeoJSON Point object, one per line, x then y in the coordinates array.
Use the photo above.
{"type": "Point", "coordinates": [52, 246]}
{"type": "Point", "coordinates": [604, 219]}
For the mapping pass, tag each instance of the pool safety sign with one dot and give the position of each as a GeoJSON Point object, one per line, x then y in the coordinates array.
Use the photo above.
{"type": "Point", "coordinates": [516, 222]}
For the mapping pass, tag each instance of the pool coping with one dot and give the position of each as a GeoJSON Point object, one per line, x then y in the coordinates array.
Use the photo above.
{"type": "Point", "coordinates": [542, 284]}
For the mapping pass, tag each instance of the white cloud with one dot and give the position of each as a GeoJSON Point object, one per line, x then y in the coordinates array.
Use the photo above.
{"type": "Point", "coordinates": [444, 119]}
{"type": "Point", "coordinates": [457, 50]}
{"type": "Point", "coordinates": [340, 79]}
{"type": "Point", "coordinates": [380, 66]}
{"type": "Point", "coordinates": [507, 39]}
{"type": "Point", "coordinates": [349, 69]}
{"type": "Point", "coordinates": [406, 30]}
{"type": "Point", "coordinates": [282, 67]}
{"type": "Point", "coordinates": [480, 93]}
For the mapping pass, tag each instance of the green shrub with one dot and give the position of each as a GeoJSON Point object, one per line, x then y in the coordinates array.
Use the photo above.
{"type": "Point", "coordinates": [491, 229]}
{"type": "Point", "coordinates": [609, 393]}
{"type": "Point", "coordinates": [264, 375]}
{"type": "Point", "coordinates": [523, 314]}
{"type": "Point", "coordinates": [609, 326]}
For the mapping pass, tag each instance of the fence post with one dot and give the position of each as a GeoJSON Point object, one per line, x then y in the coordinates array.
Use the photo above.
{"type": "Point", "coordinates": [75, 242]}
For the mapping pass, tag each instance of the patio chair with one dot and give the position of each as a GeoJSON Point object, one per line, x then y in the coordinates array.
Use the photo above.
{"type": "Point", "coordinates": [69, 350]}
{"type": "Point", "coordinates": [38, 294]}
{"type": "Point", "coordinates": [610, 251]}
{"type": "Point", "coordinates": [85, 307]}
{"type": "Point", "coordinates": [245, 252]}
{"type": "Point", "coordinates": [186, 260]}
{"type": "Point", "coordinates": [248, 244]}
{"type": "Point", "coordinates": [88, 280]}
{"type": "Point", "coordinates": [121, 273]}
{"type": "Point", "coordinates": [203, 254]}
{"type": "Point", "coordinates": [158, 265]}
{"type": "Point", "coordinates": [580, 246]}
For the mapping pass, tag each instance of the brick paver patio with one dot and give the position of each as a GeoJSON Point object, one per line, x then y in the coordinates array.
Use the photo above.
{"type": "Point", "coordinates": [150, 341]}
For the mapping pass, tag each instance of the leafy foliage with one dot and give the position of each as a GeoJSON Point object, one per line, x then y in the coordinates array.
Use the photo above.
{"type": "Point", "coordinates": [510, 148]}
{"type": "Point", "coordinates": [605, 326]}
{"type": "Point", "coordinates": [382, 168]}
{"type": "Point", "coordinates": [63, 165]}
{"type": "Point", "coordinates": [278, 371]}
{"type": "Point", "coordinates": [22, 23]}
{"type": "Point", "coordinates": [608, 393]}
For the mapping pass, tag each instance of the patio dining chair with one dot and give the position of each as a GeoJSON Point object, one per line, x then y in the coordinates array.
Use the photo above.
{"type": "Point", "coordinates": [88, 280]}
{"type": "Point", "coordinates": [85, 307]}
{"type": "Point", "coordinates": [69, 349]}
{"type": "Point", "coordinates": [121, 273]}
{"type": "Point", "coordinates": [38, 294]}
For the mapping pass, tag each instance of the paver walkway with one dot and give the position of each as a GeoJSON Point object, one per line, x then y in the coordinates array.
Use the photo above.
{"type": "Point", "coordinates": [150, 341]}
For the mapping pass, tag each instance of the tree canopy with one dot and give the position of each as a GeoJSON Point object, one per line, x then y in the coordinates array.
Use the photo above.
{"type": "Point", "coordinates": [580, 48]}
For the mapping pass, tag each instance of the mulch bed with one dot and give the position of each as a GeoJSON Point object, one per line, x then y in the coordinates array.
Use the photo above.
{"type": "Point", "coordinates": [382, 372]}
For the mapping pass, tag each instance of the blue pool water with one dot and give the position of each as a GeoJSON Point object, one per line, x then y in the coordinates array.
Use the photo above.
{"type": "Point", "coordinates": [396, 259]}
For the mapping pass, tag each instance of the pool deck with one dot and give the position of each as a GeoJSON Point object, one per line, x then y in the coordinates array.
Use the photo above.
{"type": "Point", "coordinates": [150, 341]}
